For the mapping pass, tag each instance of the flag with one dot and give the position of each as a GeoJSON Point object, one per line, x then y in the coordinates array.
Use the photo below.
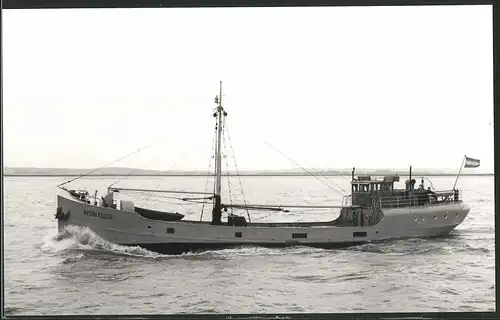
{"type": "Point", "coordinates": [471, 163]}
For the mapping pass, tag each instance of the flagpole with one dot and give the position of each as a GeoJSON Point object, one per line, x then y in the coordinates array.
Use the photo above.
{"type": "Point", "coordinates": [459, 171]}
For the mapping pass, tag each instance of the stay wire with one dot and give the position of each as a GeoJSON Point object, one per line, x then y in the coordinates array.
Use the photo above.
{"type": "Point", "coordinates": [227, 166]}
{"type": "Point", "coordinates": [115, 161]}
{"type": "Point", "coordinates": [212, 152]}
{"type": "Point", "coordinates": [238, 173]}
{"type": "Point", "coordinates": [150, 194]}
{"type": "Point", "coordinates": [298, 165]}
{"type": "Point", "coordinates": [319, 172]}
{"type": "Point", "coordinates": [130, 173]}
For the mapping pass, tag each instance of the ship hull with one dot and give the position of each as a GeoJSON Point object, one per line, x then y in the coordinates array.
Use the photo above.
{"type": "Point", "coordinates": [174, 237]}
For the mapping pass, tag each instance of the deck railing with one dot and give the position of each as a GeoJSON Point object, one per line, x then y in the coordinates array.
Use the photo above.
{"type": "Point", "coordinates": [416, 200]}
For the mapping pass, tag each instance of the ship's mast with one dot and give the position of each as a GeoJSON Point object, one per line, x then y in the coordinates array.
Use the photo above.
{"type": "Point", "coordinates": [217, 210]}
{"type": "Point", "coordinates": [218, 173]}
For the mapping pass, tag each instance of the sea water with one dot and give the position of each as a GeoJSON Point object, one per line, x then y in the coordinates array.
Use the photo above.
{"type": "Point", "coordinates": [77, 272]}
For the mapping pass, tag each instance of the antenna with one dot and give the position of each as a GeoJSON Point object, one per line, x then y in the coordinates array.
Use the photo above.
{"type": "Point", "coordinates": [220, 94]}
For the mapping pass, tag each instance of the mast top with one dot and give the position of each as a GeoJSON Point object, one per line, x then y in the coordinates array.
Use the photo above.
{"type": "Point", "coordinates": [218, 101]}
{"type": "Point", "coordinates": [218, 98]}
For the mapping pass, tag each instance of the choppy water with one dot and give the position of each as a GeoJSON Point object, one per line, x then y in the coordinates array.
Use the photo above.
{"type": "Point", "coordinates": [78, 273]}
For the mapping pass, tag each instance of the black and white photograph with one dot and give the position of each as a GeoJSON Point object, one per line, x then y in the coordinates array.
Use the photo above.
{"type": "Point", "coordinates": [248, 160]}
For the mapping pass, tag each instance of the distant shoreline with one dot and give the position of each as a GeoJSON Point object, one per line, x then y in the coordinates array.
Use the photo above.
{"type": "Point", "coordinates": [417, 174]}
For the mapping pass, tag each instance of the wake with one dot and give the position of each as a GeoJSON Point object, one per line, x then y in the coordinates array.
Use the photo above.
{"type": "Point", "coordinates": [74, 238]}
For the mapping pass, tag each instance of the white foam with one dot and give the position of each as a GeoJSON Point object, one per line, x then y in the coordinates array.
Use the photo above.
{"type": "Point", "coordinates": [82, 238]}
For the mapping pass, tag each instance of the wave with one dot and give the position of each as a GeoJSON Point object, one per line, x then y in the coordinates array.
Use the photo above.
{"type": "Point", "coordinates": [252, 251]}
{"type": "Point", "coordinates": [414, 246]}
{"type": "Point", "coordinates": [12, 310]}
{"type": "Point", "coordinates": [85, 242]}
{"type": "Point", "coordinates": [74, 238]}
{"type": "Point", "coordinates": [419, 246]}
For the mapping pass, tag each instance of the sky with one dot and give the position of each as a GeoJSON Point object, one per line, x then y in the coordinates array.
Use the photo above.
{"type": "Point", "coordinates": [337, 87]}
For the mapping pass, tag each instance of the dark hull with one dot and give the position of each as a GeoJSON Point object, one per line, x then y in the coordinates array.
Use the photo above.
{"type": "Point", "coordinates": [180, 248]}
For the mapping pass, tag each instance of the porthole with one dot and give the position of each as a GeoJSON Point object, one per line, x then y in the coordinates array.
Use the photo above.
{"type": "Point", "coordinates": [435, 218]}
{"type": "Point", "coordinates": [415, 219]}
{"type": "Point", "coordinates": [456, 215]}
{"type": "Point", "coordinates": [446, 216]}
{"type": "Point", "coordinates": [149, 227]}
{"type": "Point", "coordinates": [423, 219]}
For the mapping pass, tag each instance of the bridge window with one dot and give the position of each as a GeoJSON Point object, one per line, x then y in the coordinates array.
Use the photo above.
{"type": "Point", "coordinates": [299, 235]}
{"type": "Point", "coordinates": [355, 188]}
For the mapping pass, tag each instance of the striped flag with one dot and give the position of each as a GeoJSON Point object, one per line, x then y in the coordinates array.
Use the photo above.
{"type": "Point", "coordinates": [471, 163]}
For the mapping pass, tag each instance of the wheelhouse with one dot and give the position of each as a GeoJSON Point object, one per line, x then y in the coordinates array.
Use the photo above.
{"type": "Point", "coordinates": [370, 191]}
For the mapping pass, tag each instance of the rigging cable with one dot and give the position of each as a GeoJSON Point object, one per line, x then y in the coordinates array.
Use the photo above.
{"type": "Point", "coordinates": [212, 152]}
{"type": "Point", "coordinates": [238, 174]}
{"type": "Point", "coordinates": [345, 192]}
{"type": "Point", "coordinates": [146, 199]}
{"type": "Point", "coordinates": [298, 165]}
{"type": "Point", "coordinates": [227, 166]}
{"type": "Point", "coordinates": [156, 196]}
{"type": "Point", "coordinates": [432, 186]}
{"type": "Point", "coordinates": [150, 194]}
{"type": "Point", "coordinates": [130, 173]}
{"type": "Point", "coordinates": [124, 157]}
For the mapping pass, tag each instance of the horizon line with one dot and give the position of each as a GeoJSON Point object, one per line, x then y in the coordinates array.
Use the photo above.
{"type": "Point", "coordinates": [264, 170]}
{"type": "Point", "coordinates": [278, 174]}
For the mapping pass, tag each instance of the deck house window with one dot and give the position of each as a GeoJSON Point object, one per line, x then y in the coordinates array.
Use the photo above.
{"type": "Point", "coordinates": [299, 235]}
{"type": "Point", "coordinates": [237, 234]}
{"type": "Point", "coordinates": [170, 230]}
